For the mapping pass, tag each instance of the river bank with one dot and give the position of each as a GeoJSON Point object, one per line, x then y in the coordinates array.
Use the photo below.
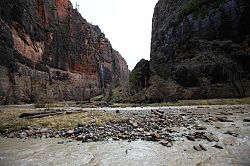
{"type": "Point", "coordinates": [219, 133]}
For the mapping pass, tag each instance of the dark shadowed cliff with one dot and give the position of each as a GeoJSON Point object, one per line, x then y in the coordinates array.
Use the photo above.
{"type": "Point", "coordinates": [199, 49]}
{"type": "Point", "coordinates": [48, 51]}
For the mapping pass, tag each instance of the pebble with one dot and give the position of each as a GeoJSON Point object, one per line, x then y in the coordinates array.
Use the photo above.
{"type": "Point", "coordinates": [23, 135]}
{"type": "Point", "coordinates": [197, 147]}
{"type": "Point", "coordinates": [60, 142]}
{"type": "Point", "coordinates": [79, 137]}
{"type": "Point", "coordinates": [203, 147]}
{"type": "Point", "coordinates": [224, 119]}
{"type": "Point", "coordinates": [197, 127]}
{"type": "Point", "coordinates": [156, 135]}
{"type": "Point", "coordinates": [211, 138]}
{"type": "Point", "coordinates": [191, 138]}
{"type": "Point", "coordinates": [70, 132]}
{"type": "Point", "coordinates": [246, 120]}
{"type": "Point", "coordinates": [140, 129]}
{"type": "Point", "coordinates": [166, 143]}
{"type": "Point", "coordinates": [232, 133]}
{"type": "Point", "coordinates": [44, 130]}
{"type": "Point", "coordinates": [218, 146]}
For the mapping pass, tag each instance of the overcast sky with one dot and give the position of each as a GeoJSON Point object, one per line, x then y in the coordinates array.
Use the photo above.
{"type": "Point", "coordinates": [126, 23]}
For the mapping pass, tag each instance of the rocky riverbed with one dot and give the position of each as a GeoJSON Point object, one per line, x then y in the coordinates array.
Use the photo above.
{"type": "Point", "coordinates": [197, 130]}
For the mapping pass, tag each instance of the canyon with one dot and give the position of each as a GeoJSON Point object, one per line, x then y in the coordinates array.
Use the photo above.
{"type": "Point", "coordinates": [81, 93]}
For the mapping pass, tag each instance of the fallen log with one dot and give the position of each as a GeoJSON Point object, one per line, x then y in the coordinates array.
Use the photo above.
{"type": "Point", "coordinates": [43, 115]}
{"type": "Point", "coordinates": [32, 115]}
{"type": "Point", "coordinates": [24, 115]}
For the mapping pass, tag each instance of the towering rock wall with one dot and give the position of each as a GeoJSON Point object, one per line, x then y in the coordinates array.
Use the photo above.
{"type": "Point", "coordinates": [48, 51]}
{"type": "Point", "coordinates": [202, 47]}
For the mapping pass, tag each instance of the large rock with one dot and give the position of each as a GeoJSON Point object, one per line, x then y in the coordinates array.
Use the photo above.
{"type": "Point", "coordinates": [48, 51]}
{"type": "Point", "coordinates": [202, 47]}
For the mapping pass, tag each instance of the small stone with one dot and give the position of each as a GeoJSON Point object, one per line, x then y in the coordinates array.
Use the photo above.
{"type": "Point", "coordinates": [101, 127]}
{"type": "Point", "coordinates": [161, 120]}
{"type": "Point", "coordinates": [190, 138]}
{"type": "Point", "coordinates": [23, 135]}
{"type": "Point", "coordinates": [70, 132]}
{"type": "Point", "coordinates": [120, 135]}
{"type": "Point", "coordinates": [218, 146]}
{"type": "Point", "coordinates": [170, 130]}
{"type": "Point", "coordinates": [224, 119]}
{"type": "Point", "coordinates": [232, 133]}
{"type": "Point", "coordinates": [79, 138]}
{"type": "Point", "coordinates": [57, 136]}
{"type": "Point", "coordinates": [44, 130]}
{"type": "Point", "coordinates": [246, 120]}
{"type": "Point", "coordinates": [60, 142]}
{"type": "Point", "coordinates": [211, 138]}
{"type": "Point", "coordinates": [135, 124]}
{"type": "Point", "coordinates": [156, 135]}
{"type": "Point", "coordinates": [124, 136]}
{"type": "Point", "coordinates": [140, 129]}
{"type": "Point", "coordinates": [203, 147]}
{"type": "Point", "coordinates": [115, 138]}
{"type": "Point", "coordinates": [166, 143]}
{"type": "Point", "coordinates": [213, 119]}
{"type": "Point", "coordinates": [200, 127]}
{"type": "Point", "coordinates": [197, 148]}
{"type": "Point", "coordinates": [89, 140]}
{"type": "Point", "coordinates": [11, 135]}
{"type": "Point", "coordinates": [152, 119]}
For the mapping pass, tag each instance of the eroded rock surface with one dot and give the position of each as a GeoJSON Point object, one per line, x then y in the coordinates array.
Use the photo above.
{"type": "Point", "coordinates": [48, 51]}
{"type": "Point", "coordinates": [200, 49]}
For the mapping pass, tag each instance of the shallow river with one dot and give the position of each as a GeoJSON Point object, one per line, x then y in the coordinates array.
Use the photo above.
{"type": "Point", "coordinates": [17, 152]}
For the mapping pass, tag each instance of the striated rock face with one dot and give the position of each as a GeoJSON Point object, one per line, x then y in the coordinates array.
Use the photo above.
{"type": "Point", "coordinates": [48, 51]}
{"type": "Point", "coordinates": [203, 47]}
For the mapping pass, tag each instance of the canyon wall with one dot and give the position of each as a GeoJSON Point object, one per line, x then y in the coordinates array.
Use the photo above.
{"type": "Point", "coordinates": [48, 51]}
{"type": "Point", "coordinates": [199, 49]}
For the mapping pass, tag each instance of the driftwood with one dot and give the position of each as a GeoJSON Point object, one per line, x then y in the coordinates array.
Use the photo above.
{"type": "Point", "coordinates": [47, 112]}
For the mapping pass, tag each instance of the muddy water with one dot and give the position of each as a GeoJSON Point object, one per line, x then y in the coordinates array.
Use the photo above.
{"type": "Point", "coordinates": [16, 152]}
{"type": "Point", "coordinates": [48, 152]}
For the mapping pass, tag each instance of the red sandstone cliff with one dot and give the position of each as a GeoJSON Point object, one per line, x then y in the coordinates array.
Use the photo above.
{"type": "Point", "coordinates": [48, 51]}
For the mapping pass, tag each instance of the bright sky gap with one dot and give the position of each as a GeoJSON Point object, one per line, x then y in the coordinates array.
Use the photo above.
{"type": "Point", "coordinates": [126, 23]}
